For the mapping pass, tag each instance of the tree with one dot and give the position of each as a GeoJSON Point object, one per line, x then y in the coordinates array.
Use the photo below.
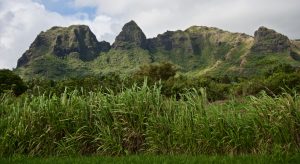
{"type": "Point", "coordinates": [11, 82]}
{"type": "Point", "coordinates": [162, 71]}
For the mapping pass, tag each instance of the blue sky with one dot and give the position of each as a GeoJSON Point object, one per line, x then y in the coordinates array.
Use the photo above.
{"type": "Point", "coordinates": [22, 20]}
{"type": "Point", "coordinates": [67, 7]}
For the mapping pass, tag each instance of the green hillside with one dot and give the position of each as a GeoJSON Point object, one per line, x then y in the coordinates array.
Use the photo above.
{"type": "Point", "coordinates": [65, 52]}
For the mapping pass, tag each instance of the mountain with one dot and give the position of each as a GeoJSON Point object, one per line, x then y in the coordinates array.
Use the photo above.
{"type": "Point", "coordinates": [269, 41]}
{"type": "Point", "coordinates": [63, 52]}
{"type": "Point", "coordinates": [59, 41]}
{"type": "Point", "coordinates": [131, 36]}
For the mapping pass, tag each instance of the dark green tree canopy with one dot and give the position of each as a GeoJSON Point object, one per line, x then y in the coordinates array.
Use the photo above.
{"type": "Point", "coordinates": [162, 71]}
{"type": "Point", "coordinates": [11, 82]}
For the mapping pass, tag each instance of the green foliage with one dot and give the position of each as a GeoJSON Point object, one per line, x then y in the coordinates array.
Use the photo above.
{"type": "Point", "coordinates": [106, 83]}
{"type": "Point", "coordinates": [282, 78]}
{"type": "Point", "coordinates": [215, 87]}
{"type": "Point", "coordinates": [282, 68]}
{"type": "Point", "coordinates": [142, 121]}
{"type": "Point", "coordinates": [156, 72]}
{"type": "Point", "coordinates": [108, 115]}
{"type": "Point", "coordinates": [11, 82]}
{"type": "Point", "coordinates": [123, 62]}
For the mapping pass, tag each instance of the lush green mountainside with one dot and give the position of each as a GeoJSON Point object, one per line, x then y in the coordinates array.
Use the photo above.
{"type": "Point", "coordinates": [114, 61]}
{"type": "Point", "coordinates": [63, 52]}
{"type": "Point", "coordinates": [201, 48]}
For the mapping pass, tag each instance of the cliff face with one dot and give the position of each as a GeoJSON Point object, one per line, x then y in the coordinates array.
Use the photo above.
{"type": "Point", "coordinates": [131, 36]}
{"type": "Point", "coordinates": [198, 46]}
{"type": "Point", "coordinates": [171, 41]}
{"type": "Point", "coordinates": [74, 51]}
{"type": "Point", "coordinates": [269, 41]}
{"type": "Point", "coordinates": [76, 40]}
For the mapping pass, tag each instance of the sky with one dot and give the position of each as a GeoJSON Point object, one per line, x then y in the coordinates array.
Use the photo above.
{"type": "Point", "coordinates": [22, 20]}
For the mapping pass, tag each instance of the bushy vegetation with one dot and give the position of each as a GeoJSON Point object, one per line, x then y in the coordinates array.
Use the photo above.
{"type": "Point", "coordinates": [282, 78]}
{"type": "Point", "coordinates": [11, 82]}
{"type": "Point", "coordinates": [156, 72]}
{"type": "Point", "coordinates": [142, 120]}
{"type": "Point", "coordinates": [164, 114]}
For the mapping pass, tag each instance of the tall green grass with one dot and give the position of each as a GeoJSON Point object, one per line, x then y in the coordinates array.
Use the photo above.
{"type": "Point", "coordinates": [142, 121]}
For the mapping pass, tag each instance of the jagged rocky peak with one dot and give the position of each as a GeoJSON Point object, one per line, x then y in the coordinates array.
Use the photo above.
{"type": "Point", "coordinates": [269, 41]}
{"type": "Point", "coordinates": [77, 40]}
{"type": "Point", "coordinates": [131, 36]}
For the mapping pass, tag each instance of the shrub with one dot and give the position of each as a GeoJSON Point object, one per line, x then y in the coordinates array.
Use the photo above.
{"type": "Point", "coordinates": [11, 82]}
{"type": "Point", "coordinates": [162, 71]}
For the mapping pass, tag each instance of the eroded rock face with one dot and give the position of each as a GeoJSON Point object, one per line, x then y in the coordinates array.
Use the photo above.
{"type": "Point", "coordinates": [269, 41]}
{"type": "Point", "coordinates": [131, 36]}
{"type": "Point", "coordinates": [24, 59]}
{"type": "Point", "coordinates": [171, 41]}
{"type": "Point", "coordinates": [63, 41]}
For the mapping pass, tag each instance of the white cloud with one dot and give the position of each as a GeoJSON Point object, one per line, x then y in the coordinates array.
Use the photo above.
{"type": "Point", "coordinates": [22, 20]}
{"type": "Point", "coordinates": [157, 16]}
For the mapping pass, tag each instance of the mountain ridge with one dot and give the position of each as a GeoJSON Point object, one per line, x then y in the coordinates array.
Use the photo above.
{"type": "Point", "coordinates": [197, 50]}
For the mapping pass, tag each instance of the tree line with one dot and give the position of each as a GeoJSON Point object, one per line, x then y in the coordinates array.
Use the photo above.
{"type": "Point", "coordinates": [283, 78]}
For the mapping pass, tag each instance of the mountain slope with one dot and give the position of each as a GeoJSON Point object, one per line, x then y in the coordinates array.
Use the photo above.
{"type": "Point", "coordinates": [76, 40]}
{"type": "Point", "coordinates": [74, 51]}
{"type": "Point", "coordinates": [199, 47]}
